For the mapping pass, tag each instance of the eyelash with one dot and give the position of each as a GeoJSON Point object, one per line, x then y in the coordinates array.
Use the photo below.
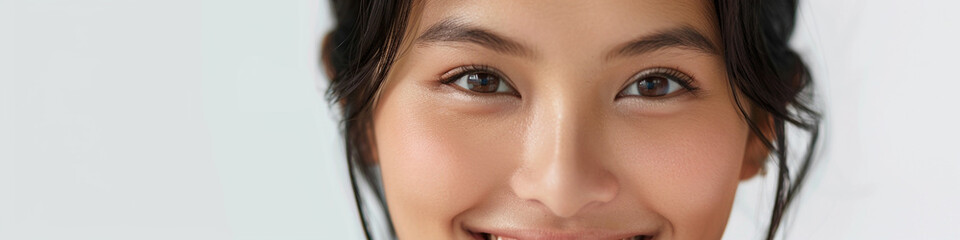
{"type": "Point", "coordinates": [458, 72]}
{"type": "Point", "coordinates": [683, 79]}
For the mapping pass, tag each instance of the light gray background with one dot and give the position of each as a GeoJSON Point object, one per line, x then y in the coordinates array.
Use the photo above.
{"type": "Point", "coordinates": [187, 119]}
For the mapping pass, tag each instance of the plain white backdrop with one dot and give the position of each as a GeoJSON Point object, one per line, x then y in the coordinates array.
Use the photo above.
{"type": "Point", "coordinates": [187, 119]}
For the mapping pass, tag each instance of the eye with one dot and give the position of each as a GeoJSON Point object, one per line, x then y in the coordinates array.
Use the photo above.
{"type": "Point", "coordinates": [657, 83]}
{"type": "Point", "coordinates": [480, 80]}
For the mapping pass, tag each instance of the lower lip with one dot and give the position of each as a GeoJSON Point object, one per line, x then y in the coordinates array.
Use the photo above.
{"type": "Point", "coordinates": [484, 236]}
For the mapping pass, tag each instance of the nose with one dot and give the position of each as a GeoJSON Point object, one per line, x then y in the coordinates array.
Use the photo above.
{"type": "Point", "coordinates": [563, 166]}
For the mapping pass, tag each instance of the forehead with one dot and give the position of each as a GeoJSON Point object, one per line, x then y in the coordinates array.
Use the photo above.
{"type": "Point", "coordinates": [562, 23]}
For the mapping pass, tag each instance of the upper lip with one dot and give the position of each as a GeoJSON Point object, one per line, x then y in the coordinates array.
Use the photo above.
{"type": "Point", "coordinates": [556, 234]}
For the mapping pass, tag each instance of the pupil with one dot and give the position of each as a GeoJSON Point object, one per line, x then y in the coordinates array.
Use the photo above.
{"type": "Point", "coordinates": [653, 87]}
{"type": "Point", "coordinates": [483, 82]}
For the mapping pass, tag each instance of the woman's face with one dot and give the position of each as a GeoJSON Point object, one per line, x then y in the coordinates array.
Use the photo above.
{"type": "Point", "coordinates": [561, 120]}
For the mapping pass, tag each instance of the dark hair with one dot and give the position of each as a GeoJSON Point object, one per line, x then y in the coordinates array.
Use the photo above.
{"type": "Point", "coordinates": [761, 66]}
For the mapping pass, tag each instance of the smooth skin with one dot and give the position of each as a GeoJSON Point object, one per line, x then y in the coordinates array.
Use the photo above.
{"type": "Point", "coordinates": [567, 154]}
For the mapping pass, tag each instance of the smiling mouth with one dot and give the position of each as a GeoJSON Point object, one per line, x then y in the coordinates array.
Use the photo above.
{"type": "Point", "coordinates": [489, 236]}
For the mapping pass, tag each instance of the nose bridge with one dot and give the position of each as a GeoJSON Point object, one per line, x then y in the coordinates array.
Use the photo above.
{"type": "Point", "coordinates": [560, 132]}
{"type": "Point", "coordinates": [560, 168]}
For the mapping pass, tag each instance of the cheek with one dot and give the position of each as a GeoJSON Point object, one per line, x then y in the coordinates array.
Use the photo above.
{"type": "Point", "coordinates": [435, 163]}
{"type": "Point", "coordinates": [686, 168]}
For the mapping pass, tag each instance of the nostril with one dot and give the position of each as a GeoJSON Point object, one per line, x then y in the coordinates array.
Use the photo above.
{"type": "Point", "coordinates": [565, 187]}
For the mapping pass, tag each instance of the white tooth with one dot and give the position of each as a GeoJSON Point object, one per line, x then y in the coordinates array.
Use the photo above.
{"type": "Point", "coordinates": [495, 237]}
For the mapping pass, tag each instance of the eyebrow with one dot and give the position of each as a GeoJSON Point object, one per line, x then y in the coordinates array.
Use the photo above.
{"type": "Point", "coordinates": [456, 30]}
{"type": "Point", "coordinates": [680, 37]}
